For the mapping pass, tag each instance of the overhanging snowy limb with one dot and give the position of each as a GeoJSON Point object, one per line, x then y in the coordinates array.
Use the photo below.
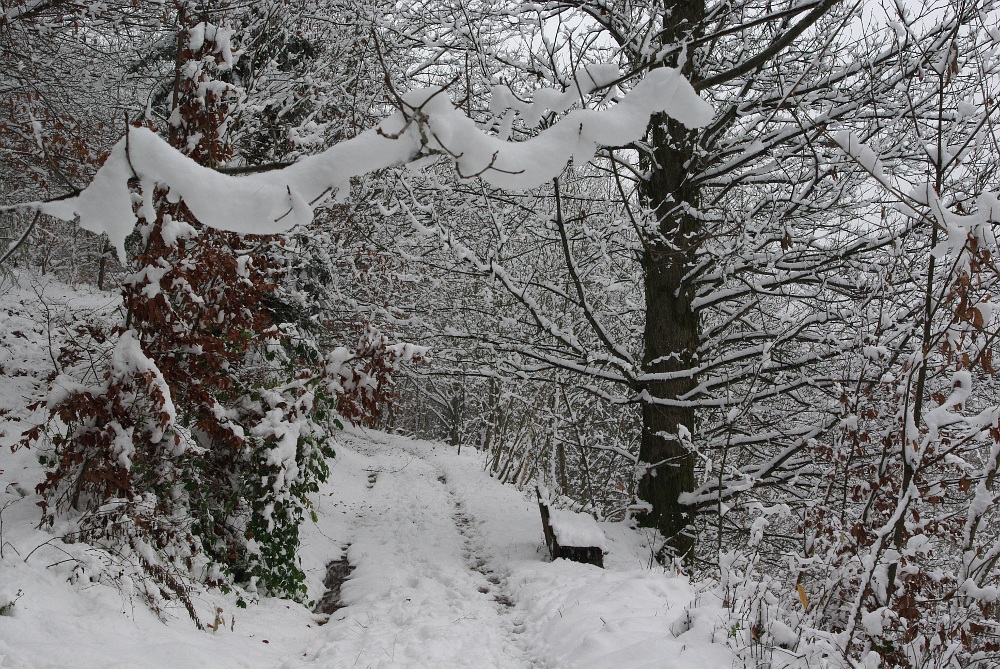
{"type": "Point", "coordinates": [275, 201]}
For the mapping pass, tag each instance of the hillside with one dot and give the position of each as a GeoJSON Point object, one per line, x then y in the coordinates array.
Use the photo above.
{"type": "Point", "coordinates": [448, 565]}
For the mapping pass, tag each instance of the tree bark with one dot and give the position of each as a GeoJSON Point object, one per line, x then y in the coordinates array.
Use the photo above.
{"type": "Point", "coordinates": [671, 333]}
{"type": "Point", "coordinates": [102, 266]}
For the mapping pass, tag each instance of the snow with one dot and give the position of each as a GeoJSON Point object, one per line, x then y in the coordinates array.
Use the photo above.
{"type": "Point", "coordinates": [128, 358]}
{"type": "Point", "coordinates": [219, 36]}
{"type": "Point", "coordinates": [860, 152]}
{"type": "Point", "coordinates": [450, 566]}
{"type": "Point", "coordinates": [575, 529]}
{"type": "Point", "coordinates": [282, 455]}
{"type": "Point", "coordinates": [876, 621]}
{"type": "Point", "coordinates": [276, 201]}
{"type": "Point", "coordinates": [586, 81]}
{"type": "Point", "coordinates": [782, 634]}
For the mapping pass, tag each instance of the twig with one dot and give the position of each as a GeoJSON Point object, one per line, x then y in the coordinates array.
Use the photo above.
{"type": "Point", "coordinates": [24, 237]}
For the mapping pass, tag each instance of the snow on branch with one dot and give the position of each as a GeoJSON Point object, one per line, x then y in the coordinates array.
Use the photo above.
{"type": "Point", "coordinates": [428, 124]}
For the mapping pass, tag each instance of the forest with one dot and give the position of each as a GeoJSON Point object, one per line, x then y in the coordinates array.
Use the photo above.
{"type": "Point", "coordinates": [720, 272]}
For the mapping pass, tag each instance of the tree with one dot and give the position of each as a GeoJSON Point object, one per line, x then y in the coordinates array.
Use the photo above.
{"type": "Point", "coordinates": [774, 268]}
{"type": "Point", "coordinates": [748, 258]}
{"type": "Point", "coordinates": [60, 97]}
{"type": "Point", "coordinates": [902, 522]}
{"type": "Point", "coordinates": [771, 249]}
{"type": "Point", "coordinates": [193, 432]}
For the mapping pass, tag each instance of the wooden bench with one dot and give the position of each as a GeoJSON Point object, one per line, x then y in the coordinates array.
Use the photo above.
{"type": "Point", "coordinates": [569, 535]}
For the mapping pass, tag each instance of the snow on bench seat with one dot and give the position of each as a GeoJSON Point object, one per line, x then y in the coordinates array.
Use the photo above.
{"type": "Point", "coordinates": [575, 529]}
{"type": "Point", "coordinates": [569, 535]}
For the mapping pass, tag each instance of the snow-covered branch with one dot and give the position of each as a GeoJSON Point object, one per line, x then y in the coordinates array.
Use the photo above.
{"type": "Point", "coordinates": [429, 124]}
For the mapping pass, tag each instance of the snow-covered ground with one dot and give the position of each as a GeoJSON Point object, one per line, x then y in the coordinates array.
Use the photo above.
{"type": "Point", "coordinates": [449, 568]}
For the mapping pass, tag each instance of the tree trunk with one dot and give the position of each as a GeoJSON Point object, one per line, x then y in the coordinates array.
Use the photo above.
{"type": "Point", "coordinates": [671, 333]}
{"type": "Point", "coordinates": [102, 266]}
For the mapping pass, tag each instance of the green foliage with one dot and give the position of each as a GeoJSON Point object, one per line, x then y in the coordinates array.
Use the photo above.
{"type": "Point", "coordinates": [276, 514]}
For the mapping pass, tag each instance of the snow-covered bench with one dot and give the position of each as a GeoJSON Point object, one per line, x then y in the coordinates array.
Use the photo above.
{"type": "Point", "coordinates": [574, 536]}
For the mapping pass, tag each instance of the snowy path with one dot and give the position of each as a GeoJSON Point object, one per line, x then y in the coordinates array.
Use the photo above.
{"type": "Point", "coordinates": [448, 573]}
{"type": "Point", "coordinates": [421, 594]}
